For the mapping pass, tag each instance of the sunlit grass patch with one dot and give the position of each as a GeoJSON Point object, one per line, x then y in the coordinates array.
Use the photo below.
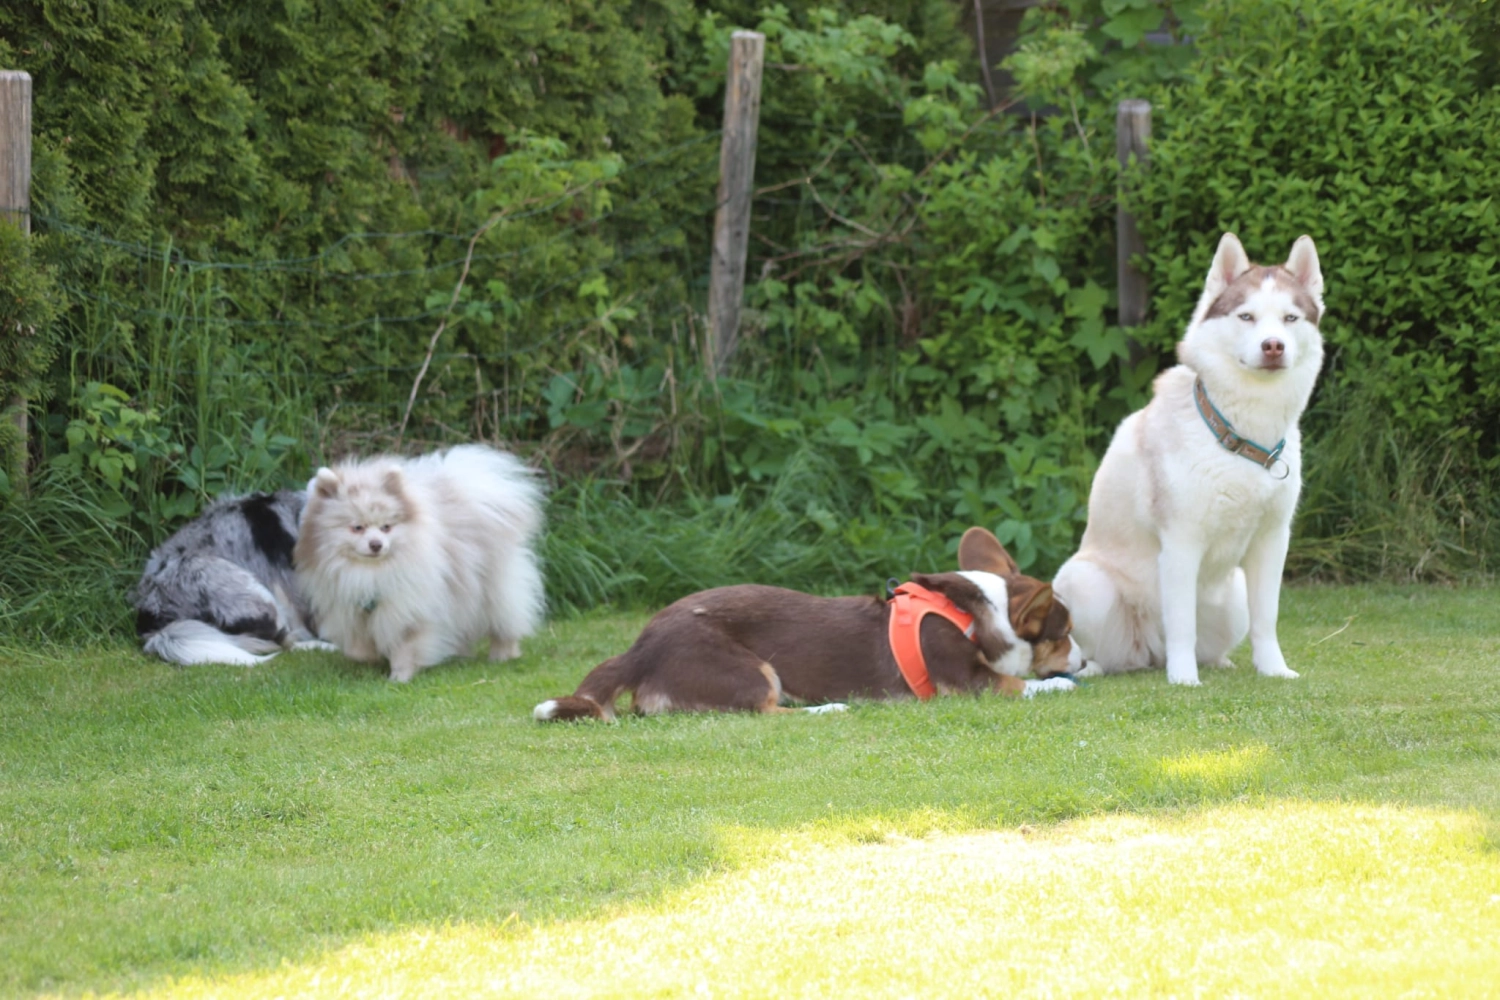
{"type": "Point", "coordinates": [1217, 770]}
{"type": "Point", "coordinates": [1287, 899]}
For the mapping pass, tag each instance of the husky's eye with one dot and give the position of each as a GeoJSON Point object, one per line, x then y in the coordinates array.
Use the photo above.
{"type": "Point", "coordinates": [1247, 317]}
{"type": "Point", "coordinates": [1290, 318]}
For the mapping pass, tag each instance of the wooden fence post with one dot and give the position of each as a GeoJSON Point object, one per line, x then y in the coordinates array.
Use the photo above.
{"type": "Point", "coordinates": [726, 289]}
{"type": "Point", "coordinates": [15, 207]}
{"type": "Point", "coordinates": [1132, 136]}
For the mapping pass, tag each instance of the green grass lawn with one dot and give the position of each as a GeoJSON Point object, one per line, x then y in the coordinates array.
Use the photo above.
{"type": "Point", "coordinates": [307, 829]}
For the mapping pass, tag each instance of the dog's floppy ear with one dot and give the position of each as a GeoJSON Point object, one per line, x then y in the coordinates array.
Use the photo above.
{"type": "Point", "coordinates": [1230, 261]}
{"type": "Point", "coordinates": [1031, 602]}
{"type": "Point", "coordinates": [1303, 263]}
{"type": "Point", "coordinates": [981, 550]}
{"type": "Point", "coordinates": [958, 589]}
{"type": "Point", "coordinates": [325, 484]}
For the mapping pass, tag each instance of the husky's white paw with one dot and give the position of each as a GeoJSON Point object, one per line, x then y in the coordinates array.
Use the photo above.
{"type": "Point", "coordinates": [832, 706]}
{"type": "Point", "coordinates": [1222, 663]}
{"type": "Point", "coordinates": [316, 645]}
{"type": "Point", "coordinates": [1184, 677]}
{"type": "Point", "coordinates": [1034, 688]}
{"type": "Point", "coordinates": [1273, 664]}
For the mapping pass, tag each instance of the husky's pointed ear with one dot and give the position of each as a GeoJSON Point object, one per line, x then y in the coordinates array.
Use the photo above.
{"type": "Point", "coordinates": [980, 550]}
{"type": "Point", "coordinates": [1230, 261]}
{"type": "Point", "coordinates": [394, 482]}
{"type": "Point", "coordinates": [325, 484]}
{"type": "Point", "coordinates": [1303, 263]}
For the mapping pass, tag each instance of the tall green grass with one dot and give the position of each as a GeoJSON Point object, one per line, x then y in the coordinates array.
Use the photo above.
{"type": "Point", "coordinates": [802, 529]}
{"type": "Point", "coordinates": [235, 411]}
{"type": "Point", "coordinates": [1376, 507]}
{"type": "Point", "coordinates": [1379, 504]}
{"type": "Point", "coordinates": [65, 565]}
{"type": "Point", "coordinates": [209, 413]}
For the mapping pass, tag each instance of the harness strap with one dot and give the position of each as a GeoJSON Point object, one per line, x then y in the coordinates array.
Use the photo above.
{"type": "Point", "coordinates": [910, 603]}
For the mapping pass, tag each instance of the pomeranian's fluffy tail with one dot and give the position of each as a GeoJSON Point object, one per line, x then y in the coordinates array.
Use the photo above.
{"type": "Point", "coordinates": [595, 697]}
{"type": "Point", "coordinates": [189, 642]}
{"type": "Point", "coordinates": [500, 483]}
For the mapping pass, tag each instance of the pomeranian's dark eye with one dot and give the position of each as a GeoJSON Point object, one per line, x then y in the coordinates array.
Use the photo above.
{"type": "Point", "coordinates": [358, 529]}
{"type": "Point", "coordinates": [385, 528]}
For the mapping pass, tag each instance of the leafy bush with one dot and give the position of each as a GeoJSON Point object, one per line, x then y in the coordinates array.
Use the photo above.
{"type": "Point", "coordinates": [317, 165]}
{"type": "Point", "coordinates": [926, 308]}
{"type": "Point", "coordinates": [1134, 44]}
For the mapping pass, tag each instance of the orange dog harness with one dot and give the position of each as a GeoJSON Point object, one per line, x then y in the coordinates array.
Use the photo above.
{"type": "Point", "coordinates": [911, 603]}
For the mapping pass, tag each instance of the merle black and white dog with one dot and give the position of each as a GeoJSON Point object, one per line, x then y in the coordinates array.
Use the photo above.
{"type": "Point", "coordinates": [222, 589]}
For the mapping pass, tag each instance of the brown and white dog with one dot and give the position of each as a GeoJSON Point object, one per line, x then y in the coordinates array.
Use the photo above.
{"type": "Point", "coordinates": [749, 647]}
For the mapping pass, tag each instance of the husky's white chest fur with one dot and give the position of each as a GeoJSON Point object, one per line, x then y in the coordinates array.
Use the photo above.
{"type": "Point", "coordinates": [1190, 513]}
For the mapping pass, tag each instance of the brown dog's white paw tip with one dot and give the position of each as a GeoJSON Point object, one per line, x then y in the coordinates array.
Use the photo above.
{"type": "Point", "coordinates": [1034, 688]}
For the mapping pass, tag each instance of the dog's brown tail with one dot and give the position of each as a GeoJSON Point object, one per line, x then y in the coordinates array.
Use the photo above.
{"type": "Point", "coordinates": [595, 697]}
{"type": "Point", "coordinates": [567, 709]}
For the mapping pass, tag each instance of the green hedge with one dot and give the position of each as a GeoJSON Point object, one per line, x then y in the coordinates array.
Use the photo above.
{"type": "Point", "coordinates": [279, 143]}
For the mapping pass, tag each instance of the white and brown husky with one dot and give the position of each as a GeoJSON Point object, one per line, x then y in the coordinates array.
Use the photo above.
{"type": "Point", "coordinates": [1191, 511]}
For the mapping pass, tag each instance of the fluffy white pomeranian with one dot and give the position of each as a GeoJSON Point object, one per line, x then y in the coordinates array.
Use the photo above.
{"type": "Point", "coordinates": [414, 560]}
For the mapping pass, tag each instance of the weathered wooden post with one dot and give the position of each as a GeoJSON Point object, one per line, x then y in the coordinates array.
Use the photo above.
{"type": "Point", "coordinates": [726, 289]}
{"type": "Point", "coordinates": [15, 208]}
{"type": "Point", "coordinates": [15, 148]}
{"type": "Point", "coordinates": [1132, 137]}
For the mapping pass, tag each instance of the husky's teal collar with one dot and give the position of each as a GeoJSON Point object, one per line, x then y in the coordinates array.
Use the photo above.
{"type": "Point", "coordinates": [1224, 431]}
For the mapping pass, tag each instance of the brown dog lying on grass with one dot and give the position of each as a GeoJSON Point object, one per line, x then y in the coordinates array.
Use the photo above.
{"type": "Point", "coordinates": [749, 647]}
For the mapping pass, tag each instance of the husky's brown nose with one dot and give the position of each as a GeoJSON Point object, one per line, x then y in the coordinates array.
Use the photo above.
{"type": "Point", "coordinates": [1272, 348]}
